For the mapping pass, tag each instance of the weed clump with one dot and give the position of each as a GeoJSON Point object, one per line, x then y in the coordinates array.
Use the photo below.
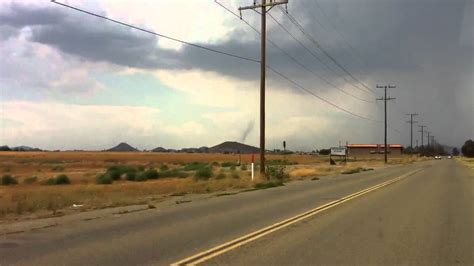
{"type": "Point", "coordinates": [195, 166]}
{"type": "Point", "coordinates": [30, 180]}
{"type": "Point", "coordinates": [164, 167]}
{"type": "Point", "coordinates": [151, 174]}
{"type": "Point", "coordinates": [62, 180]}
{"type": "Point", "coordinates": [277, 172]}
{"type": "Point", "coordinates": [130, 176]}
{"type": "Point", "coordinates": [221, 176]}
{"type": "Point", "coordinates": [9, 180]}
{"type": "Point", "coordinates": [104, 179]}
{"type": "Point", "coordinates": [141, 177]}
{"type": "Point", "coordinates": [174, 173]}
{"type": "Point", "coordinates": [59, 180]}
{"type": "Point", "coordinates": [203, 173]}
{"type": "Point", "coordinates": [228, 164]}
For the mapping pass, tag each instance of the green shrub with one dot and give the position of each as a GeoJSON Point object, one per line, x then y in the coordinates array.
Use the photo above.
{"type": "Point", "coordinates": [203, 173]}
{"type": "Point", "coordinates": [173, 173]}
{"type": "Point", "coordinates": [141, 177]}
{"type": "Point", "coordinates": [228, 164]}
{"type": "Point", "coordinates": [104, 179]}
{"type": "Point", "coordinates": [62, 180]}
{"type": "Point", "coordinates": [195, 166]}
{"type": "Point", "coordinates": [151, 174]}
{"type": "Point", "coordinates": [164, 167]}
{"type": "Point", "coordinates": [215, 164]}
{"type": "Point", "coordinates": [59, 180]}
{"type": "Point", "coordinates": [123, 169]}
{"type": "Point", "coordinates": [30, 180]}
{"type": "Point", "coordinates": [114, 174]}
{"type": "Point", "coordinates": [117, 171]}
{"type": "Point", "coordinates": [277, 172]}
{"type": "Point", "coordinates": [50, 181]}
{"type": "Point", "coordinates": [141, 168]}
{"type": "Point", "coordinates": [221, 176]}
{"type": "Point", "coordinates": [232, 167]}
{"type": "Point", "coordinates": [9, 180]}
{"type": "Point", "coordinates": [243, 167]}
{"type": "Point", "coordinates": [130, 176]}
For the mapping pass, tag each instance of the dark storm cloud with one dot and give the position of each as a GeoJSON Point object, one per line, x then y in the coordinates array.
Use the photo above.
{"type": "Point", "coordinates": [416, 45]}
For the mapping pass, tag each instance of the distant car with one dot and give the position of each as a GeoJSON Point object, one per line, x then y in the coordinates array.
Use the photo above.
{"type": "Point", "coordinates": [450, 157]}
{"type": "Point", "coordinates": [437, 157]}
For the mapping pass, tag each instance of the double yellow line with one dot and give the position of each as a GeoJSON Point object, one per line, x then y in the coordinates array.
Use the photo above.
{"type": "Point", "coordinates": [216, 251]}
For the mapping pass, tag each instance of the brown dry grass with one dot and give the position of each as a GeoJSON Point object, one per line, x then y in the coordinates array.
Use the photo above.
{"type": "Point", "coordinates": [468, 162]}
{"type": "Point", "coordinates": [83, 167]}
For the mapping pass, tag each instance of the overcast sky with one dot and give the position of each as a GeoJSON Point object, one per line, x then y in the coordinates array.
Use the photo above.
{"type": "Point", "coordinates": [72, 81]}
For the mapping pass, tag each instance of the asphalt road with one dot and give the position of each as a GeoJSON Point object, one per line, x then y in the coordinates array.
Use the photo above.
{"type": "Point", "coordinates": [426, 218]}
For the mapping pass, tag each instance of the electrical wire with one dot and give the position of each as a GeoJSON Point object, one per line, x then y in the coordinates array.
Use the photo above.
{"type": "Point", "coordinates": [313, 54]}
{"type": "Point", "coordinates": [293, 58]}
{"type": "Point", "coordinates": [318, 45]}
{"type": "Point", "coordinates": [223, 53]}
{"type": "Point", "coordinates": [343, 38]}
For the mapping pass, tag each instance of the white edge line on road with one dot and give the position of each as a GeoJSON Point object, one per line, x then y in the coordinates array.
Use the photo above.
{"type": "Point", "coordinates": [216, 251]}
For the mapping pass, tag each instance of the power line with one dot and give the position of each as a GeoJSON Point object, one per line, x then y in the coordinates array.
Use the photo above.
{"type": "Point", "coordinates": [313, 54]}
{"type": "Point", "coordinates": [292, 57]}
{"type": "Point", "coordinates": [318, 45]}
{"type": "Point", "coordinates": [223, 53]}
{"type": "Point", "coordinates": [158, 34]}
{"type": "Point", "coordinates": [319, 97]}
{"type": "Point", "coordinates": [318, 6]}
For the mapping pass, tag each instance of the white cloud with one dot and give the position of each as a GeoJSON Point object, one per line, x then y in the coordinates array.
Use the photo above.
{"type": "Point", "coordinates": [42, 69]}
{"type": "Point", "coordinates": [194, 22]}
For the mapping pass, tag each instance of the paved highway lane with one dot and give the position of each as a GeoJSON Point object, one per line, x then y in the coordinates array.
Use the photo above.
{"type": "Point", "coordinates": [167, 234]}
{"type": "Point", "coordinates": [426, 219]}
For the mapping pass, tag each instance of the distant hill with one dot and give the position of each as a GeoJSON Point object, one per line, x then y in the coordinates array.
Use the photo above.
{"type": "Point", "coordinates": [233, 147]}
{"type": "Point", "coordinates": [122, 147]}
{"type": "Point", "coordinates": [159, 149]}
{"type": "Point", "coordinates": [25, 148]}
{"type": "Point", "coordinates": [5, 148]}
{"type": "Point", "coordinates": [19, 148]}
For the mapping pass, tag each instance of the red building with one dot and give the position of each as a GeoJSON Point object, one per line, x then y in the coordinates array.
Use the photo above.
{"type": "Point", "coordinates": [373, 149]}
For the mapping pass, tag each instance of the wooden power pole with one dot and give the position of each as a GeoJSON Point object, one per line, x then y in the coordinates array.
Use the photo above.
{"type": "Point", "coordinates": [263, 12]}
{"type": "Point", "coordinates": [411, 128]}
{"type": "Point", "coordinates": [422, 130]}
{"type": "Point", "coordinates": [385, 99]}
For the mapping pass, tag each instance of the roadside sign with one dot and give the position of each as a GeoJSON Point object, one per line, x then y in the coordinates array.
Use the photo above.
{"type": "Point", "coordinates": [338, 151]}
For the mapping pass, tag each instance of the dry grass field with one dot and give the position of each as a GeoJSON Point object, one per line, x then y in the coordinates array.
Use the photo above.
{"type": "Point", "coordinates": [469, 162]}
{"type": "Point", "coordinates": [33, 198]}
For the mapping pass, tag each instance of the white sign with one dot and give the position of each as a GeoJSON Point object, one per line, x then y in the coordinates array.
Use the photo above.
{"type": "Point", "coordinates": [339, 151]}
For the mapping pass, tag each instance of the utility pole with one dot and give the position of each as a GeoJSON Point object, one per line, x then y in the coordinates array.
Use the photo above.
{"type": "Point", "coordinates": [411, 128]}
{"type": "Point", "coordinates": [427, 132]}
{"type": "Point", "coordinates": [385, 99]}
{"type": "Point", "coordinates": [422, 133]}
{"type": "Point", "coordinates": [263, 66]}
